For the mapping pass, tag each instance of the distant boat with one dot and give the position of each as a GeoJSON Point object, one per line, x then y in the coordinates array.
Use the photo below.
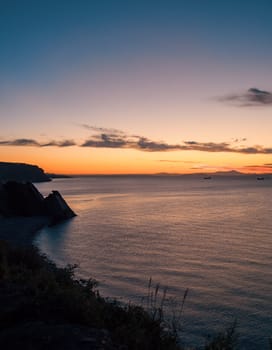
{"type": "Point", "coordinates": [260, 178]}
{"type": "Point", "coordinates": [207, 178]}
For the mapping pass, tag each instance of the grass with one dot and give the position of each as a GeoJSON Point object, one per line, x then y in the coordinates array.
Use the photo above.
{"type": "Point", "coordinates": [225, 340]}
{"type": "Point", "coordinates": [33, 289]}
{"type": "Point", "coordinates": [157, 301]}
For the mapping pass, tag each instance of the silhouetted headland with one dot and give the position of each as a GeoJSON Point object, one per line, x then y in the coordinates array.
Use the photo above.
{"type": "Point", "coordinates": [58, 176]}
{"type": "Point", "coordinates": [22, 172]}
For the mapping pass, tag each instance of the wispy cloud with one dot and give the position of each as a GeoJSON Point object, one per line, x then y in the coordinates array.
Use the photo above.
{"type": "Point", "coordinates": [145, 144]}
{"type": "Point", "coordinates": [34, 143]}
{"type": "Point", "coordinates": [239, 140]}
{"type": "Point", "coordinates": [226, 147]}
{"type": "Point", "coordinates": [171, 161]}
{"type": "Point", "coordinates": [126, 141]}
{"type": "Point", "coordinates": [211, 168]}
{"type": "Point", "coordinates": [102, 129]}
{"type": "Point", "coordinates": [64, 143]}
{"type": "Point", "coordinates": [259, 166]}
{"type": "Point", "coordinates": [265, 168]}
{"type": "Point", "coordinates": [19, 142]}
{"type": "Point", "coordinates": [208, 146]}
{"type": "Point", "coordinates": [118, 139]}
{"type": "Point", "coordinates": [106, 141]}
{"type": "Point", "coordinates": [251, 97]}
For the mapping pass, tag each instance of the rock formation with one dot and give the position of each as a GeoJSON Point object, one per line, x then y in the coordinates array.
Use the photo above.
{"type": "Point", "coordinates": [23, 199]}
{"type": "Point", "coordinates": [22, 172]}
{"type": "Point", "coordinates": [57, 208]}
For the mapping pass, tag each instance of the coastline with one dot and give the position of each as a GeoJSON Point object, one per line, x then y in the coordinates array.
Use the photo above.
{"type": "Point", "coordinates": [54, 310]}
{"type": "Point", "coordinates": [21, 231]}
{"type": "Point", "coordinates": [69, 313]}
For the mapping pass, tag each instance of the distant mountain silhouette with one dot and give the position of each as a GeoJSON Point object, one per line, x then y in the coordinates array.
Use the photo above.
{"type": "Point", "coordinates": [22, 172]}
{"type": "Point", "coordinates": [58, 176]}
{"type": "Point", "coordinates": [227, 173]}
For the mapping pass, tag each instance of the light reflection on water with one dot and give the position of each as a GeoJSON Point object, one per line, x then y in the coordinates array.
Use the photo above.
{"type": "Point", "coordinates": [213, 237]}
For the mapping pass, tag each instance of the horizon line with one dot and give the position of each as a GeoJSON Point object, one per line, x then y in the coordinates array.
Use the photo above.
{"type": "Point", "coordinates": [161, 174]}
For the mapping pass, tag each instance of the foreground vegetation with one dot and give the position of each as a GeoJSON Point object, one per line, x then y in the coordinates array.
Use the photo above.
{"type": "Point", "coordinates": [44, 307]}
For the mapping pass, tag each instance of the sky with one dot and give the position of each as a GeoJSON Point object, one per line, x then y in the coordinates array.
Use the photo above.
{"type": "Point", "coordinates": [109, 86]}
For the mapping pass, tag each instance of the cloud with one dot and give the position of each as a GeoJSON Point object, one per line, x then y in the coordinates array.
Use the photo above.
{"type": "Point", "coordinates": [171, 161]}
{"type": "Point", "coordinates": [116, 140]}
{"type": "Point", "coordinates": [105, 141]}
{"type": "Point", "coordinates": [34, 143]}
{"type": "Point", "coordinates": [227, 147]}
{"type": "Point", "coordinates": [256, 150]}
{"type": "Point", "coordinates": [268, 165]}
{"type": "Point", "coordinates": [239, 140]}
{"type": "Point", "coordinates": [20, 142]}
{"type": "Point", "coordinates": [251, 97]}
{"type": "Point", "coordinates": [64, 143]}
{"type": "Point", "coordinates": [128, 141]}
{"type": "Point", "coordinates": [265, 168]}
{"type": "Point", "coordinates": [190, 142]}
{"type": "Point", "coordinates": [208, 146]}
{"type": "Point", "coordinates": [145, 144]}
{"type": "Point", "coordinates": [101, 129]}
{"type": "Point", "coordinates": [259, 166]}
{"type": "Point", "coordinates": [208, 167]}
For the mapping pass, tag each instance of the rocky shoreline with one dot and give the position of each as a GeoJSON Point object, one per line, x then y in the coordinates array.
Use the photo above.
{"type": "Point", "coordinates": [45, 307]}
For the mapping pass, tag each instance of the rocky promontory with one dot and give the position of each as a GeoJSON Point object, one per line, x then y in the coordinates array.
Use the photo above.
{"type": "Point", "coordinates": [23, 199]}
{"type": "Point", "coordinates": [22, 172]}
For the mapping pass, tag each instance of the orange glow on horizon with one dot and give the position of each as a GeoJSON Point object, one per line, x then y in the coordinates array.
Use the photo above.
{"type": "Point", "coordinates": [83, 161]}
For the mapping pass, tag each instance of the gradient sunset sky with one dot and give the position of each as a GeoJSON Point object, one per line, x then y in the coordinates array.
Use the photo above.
{"type": "Point", "coordinates": [148, 86]}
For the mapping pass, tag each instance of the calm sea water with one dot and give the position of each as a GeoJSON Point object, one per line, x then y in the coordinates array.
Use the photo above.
{"type": "Point", "coordinates": [211, 236]}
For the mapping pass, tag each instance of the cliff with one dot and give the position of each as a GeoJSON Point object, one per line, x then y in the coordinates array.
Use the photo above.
{"type": "Point", "coordinates": [57, 208]}
{"type": "Point", "coordinates": [23, 199]}
{"type": "Point", "coordinates": [22, 172]}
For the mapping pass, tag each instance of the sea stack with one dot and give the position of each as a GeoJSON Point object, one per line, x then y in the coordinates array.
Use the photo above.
{"type": "Point", "coordinates": [23, 199]}
{"type": "Point", "coordinates": [57, 208]}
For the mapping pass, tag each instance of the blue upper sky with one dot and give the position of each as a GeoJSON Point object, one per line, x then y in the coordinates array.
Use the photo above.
{"type": "Point", "coordinates": [41, 39]}
{"type": "Point", "coordinates": [173, 71]}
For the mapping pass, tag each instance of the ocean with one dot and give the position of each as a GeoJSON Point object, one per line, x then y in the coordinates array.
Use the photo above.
{"type": "Point", "coordinates": [213, 237]}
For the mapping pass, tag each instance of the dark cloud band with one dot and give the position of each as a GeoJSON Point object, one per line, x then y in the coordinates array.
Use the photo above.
{"type": "Point", "coordinates": [251, 97]}
{"type": "Point", "coordinates": [144, 144]}
{"type": "Point", "coordinates": [34, 143]}
{"type": "Point", "coordinates": [20, 142]}
{"type": "Point", "coordinates": [121, 140]}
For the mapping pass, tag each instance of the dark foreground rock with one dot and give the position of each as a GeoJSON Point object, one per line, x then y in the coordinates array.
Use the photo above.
{"type": "Point", "coordinates": [22, 172]}
{"type": "Point", "coordinates": [23, 199]}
